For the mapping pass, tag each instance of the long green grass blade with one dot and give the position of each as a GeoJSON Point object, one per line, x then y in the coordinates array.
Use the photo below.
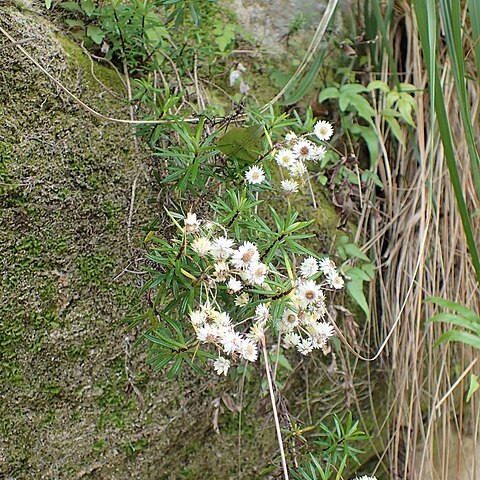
{"type": "Point", "coordinates": [450, 11]}
{"type": "Point", "coordinates": [425, 11]}
{"type": "Point", "coordinates": [474, 11]}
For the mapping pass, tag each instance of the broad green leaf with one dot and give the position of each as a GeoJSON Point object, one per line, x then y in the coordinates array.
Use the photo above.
{"type": "Point", "coordinates": [368, 269]}
{"type": "Point", "coordinates": [474, 386]}
{"type": "Point", "coordinates": [394, 126]}
{"type": "Point", "coordinates": [370, 136]}
{"type": "Point", "coordinates": [88, 7]}
{"type": "Point", "coordinates": [355, 288]}
{"type": "Point", "coordinates": [462, 337]}
{"type": "Point", "coordinates": [352, 88]}
{"type": "Point", "coordinates": [405, 109]}
{"type": "Point", "coordinates": [327, 93]}
{"type": "Point", "coordinates": [72, 6]}
{"type": "Point", "coordinates": [242, 143]}
{"type": "Point", "coordinates": [357, 274]}
{"type": "Point", "coordinates": [378, 85]}
{"type": "Point", "coordinates": [363, 108]}
{"type": "Point", "coordinates": [95, 33]}
{"type": "Point", "coordinates": [353, 251]}
{"type": "Point", "coordinates": [456, 307]}
{"type": "Point", "coordinates": [48, 4]}
{"type": "Point", "coordinates": [344, 101]}
{"type": "Point", "coordinates": [75, 23]}
{"type": "Point", "coordinates": [458, 321]}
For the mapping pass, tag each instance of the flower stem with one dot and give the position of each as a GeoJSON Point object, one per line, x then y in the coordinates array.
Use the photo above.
{"type": "Point", "coordinates": [274, 408]}
{"type": "Point", "coordinates": [311, 191]}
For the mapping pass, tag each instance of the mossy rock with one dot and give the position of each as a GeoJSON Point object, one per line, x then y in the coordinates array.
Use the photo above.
{"type": "Point", "coordinates": [68, 408]}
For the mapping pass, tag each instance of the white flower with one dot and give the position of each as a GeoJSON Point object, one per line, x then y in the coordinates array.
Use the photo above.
{"type": "Point", "coordinates": [234, 285]}
{"type": "Point", "coordinates": [319, 152]}
{"type": "Point", "coordinates": [257, 331]}
{"type": "Point", "coordinates": [231, 341]}
{"type": "Point", "coordinates": [289, 186]}
{"type": "Point", "coordinates": [291, 339]}
{"type": "Point", "coordinates": [285, 158]}
{"type": "Point", "coordinates": [366, 477]}
{"type": "Point", "coordinates": [298, 169]}
{"type": "Point", "coordinates": [309, 293]}
{"type": "Point", "coordinates": [304, 150]}
{"type": "Point", "coordinates": [309, 267]}
{"type": "Point", "coordinates": [223, 320]}
{"type": "Point", "coordinates": [202, 246]}
{"type": "Point", "coordinates": [289, 320]}
{"type": "Point", "coordinates": [327, 266]}
{"type": "Point", "coordinates": [198, 317]}
{"type": "Point", "coordinates": [242, 299]}
{"type": "Point", "coordinates": [256, 273]}
{"type": "Point", "coordinates": [255, 175]}
{"type": "Point", "coordinates": [320, 333]}
{"type": "Point", "coordinates": [248, 350]}
{"type": "Point", "coordinates": [335, 281]}
{"type": "Point", "coordinates": [291, 139]}
{"type": "Point", "coordinates": [222, 248]}
{"type": "Point", "coordinates": [262, 313]}
{"type": "Point", "coordinates": [207, 333]}
{"type": "Point", "coordinates": [221, 365]}
{"type": "Point", "coordinates": [305, 346]}
{"type": "Point", "coordinates": [191, 223]}
{"type": "Point", "coordinates": [222, 271]}
{"type": "Point", "coordinates": [323, 130]}
{"type": "Point", "coordinates": [246, 255]}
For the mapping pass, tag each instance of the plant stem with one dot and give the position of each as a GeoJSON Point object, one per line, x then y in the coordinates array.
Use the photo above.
{"type": "Point", "coordinates": [311, 191]}
{"type": "Point", "coordinates": [274, 408]}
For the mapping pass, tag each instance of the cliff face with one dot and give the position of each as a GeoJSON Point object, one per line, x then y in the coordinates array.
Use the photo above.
{"type": "Point", "coordinates": [77, 400]}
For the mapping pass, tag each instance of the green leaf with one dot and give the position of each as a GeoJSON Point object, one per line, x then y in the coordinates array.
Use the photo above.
{"type": "Point", "coordinates": [378, 85]}
{"type": "Point", "coordinates": [75, 23]}
{"type": "Point", "coordinates": [48, 4]}
{"type": "Point", "coordinates": [344, 101]}
{"type": "Point", "coordinates": [242, 143]}
{"type": "Point", "coordinates": [357, 274]}
{"type": "Point", "coordinates": [456, 307]}
{"type": "Point", "coordinates": [394, 126]}
{"type": "Point", "coordinates": [72, 6]}
{"type": "Point", "coordinates": [88, 7]}
{"type": "Point", "coordinates": [95, 33]}
{"type": "Point", "coordinates": [462, 337]}
{"type": "Point", "coordinates": [355, 288]}
{"type": "Point", "coordinates": [353, 251]}
{"type": "Point", "coordinates": [363, 108]}
{"type": "Point", "coordinates": [458, 321]}
{"type": "Point", "coordinates": [352, 88]}
{"type": "Point", "coordinates": [327, 93]}
{"type": "Point", "coordinates": [474, 386]}
{"type": "Point", "coordinates": [175, 369]}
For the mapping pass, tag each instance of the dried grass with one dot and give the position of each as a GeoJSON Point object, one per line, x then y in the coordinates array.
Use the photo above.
{"type": "Point", "coordinates": [423, 253]}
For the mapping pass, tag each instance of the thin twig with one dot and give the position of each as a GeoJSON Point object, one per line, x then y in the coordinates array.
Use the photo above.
{"type": "Point", "coordinates": [274, 408]}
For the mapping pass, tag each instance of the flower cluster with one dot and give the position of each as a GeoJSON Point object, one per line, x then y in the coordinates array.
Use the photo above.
{"type": "Point", "coordinates": [303, 323]}
{"type": "Point", "coordinates": [296, 152]}
{"type": "Point", "coordinates": [294, 156]}
{"type": "Point", "coordinates": [365, 477]}
{"type": "Point", "coordinates": [239, 269]}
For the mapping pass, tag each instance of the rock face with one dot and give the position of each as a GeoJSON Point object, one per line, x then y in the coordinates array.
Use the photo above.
{"type": "Point", "coordinates": [270, 21]}
{"type": "Point", "coordinates": [77, 400]}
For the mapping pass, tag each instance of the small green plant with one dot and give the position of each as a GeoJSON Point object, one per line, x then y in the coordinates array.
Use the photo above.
{"type": "Point", "coordinates": [333, 451]}
{"type": "Point", "coordinates": [399, 105]}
